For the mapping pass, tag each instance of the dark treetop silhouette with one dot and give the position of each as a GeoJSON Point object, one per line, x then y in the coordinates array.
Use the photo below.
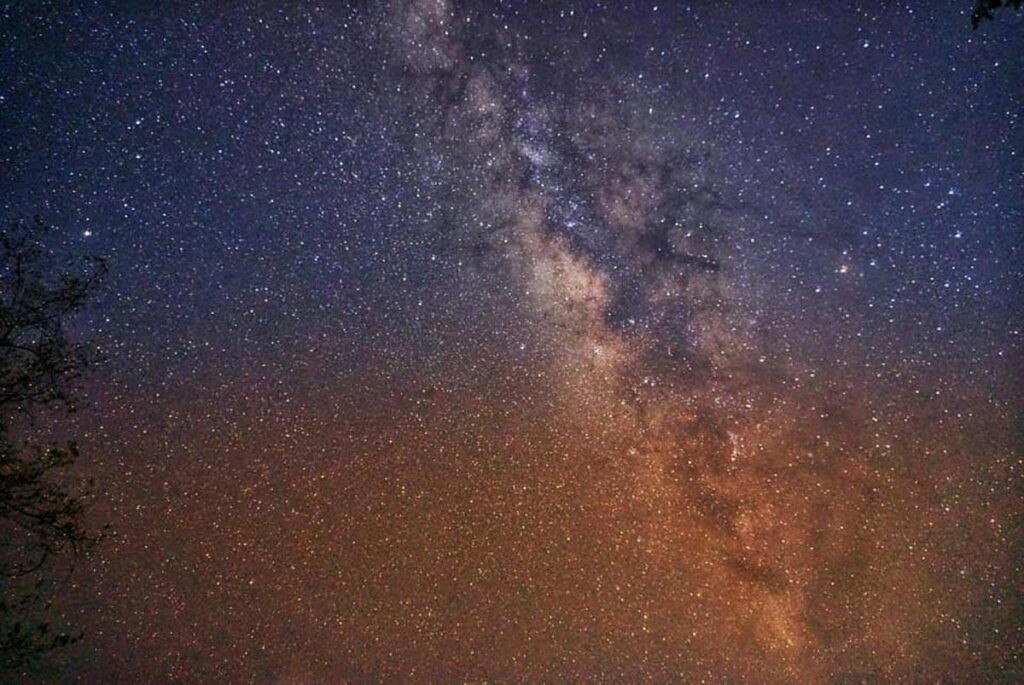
{"type": "Point", "coordinates": [983, 9]}
{"type": "Point", "coordinates": [41, 504]}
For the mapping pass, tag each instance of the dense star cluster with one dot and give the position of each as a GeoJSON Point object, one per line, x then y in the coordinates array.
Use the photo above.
{"type": "Point", "coordinates": [538, 342]}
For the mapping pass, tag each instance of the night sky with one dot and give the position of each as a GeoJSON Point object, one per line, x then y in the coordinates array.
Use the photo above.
{"type": "Point", "coordinates": [538, 342]}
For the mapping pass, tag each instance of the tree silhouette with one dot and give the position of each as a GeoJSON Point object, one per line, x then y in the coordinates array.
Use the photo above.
{"type": "Point", "coordinates": [42, 505]}
{"type": "Point", "coordinates": [983, 9]}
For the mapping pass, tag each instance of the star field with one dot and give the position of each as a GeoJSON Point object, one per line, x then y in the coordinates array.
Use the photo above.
{"type": "Point", "coordinates": [538, 342]}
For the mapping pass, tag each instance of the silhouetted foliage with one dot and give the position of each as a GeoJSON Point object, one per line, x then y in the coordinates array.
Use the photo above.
{"type": "Point", "coordinates": [983, 9]}
{"type": "Point", "coordinates": [42, 528]}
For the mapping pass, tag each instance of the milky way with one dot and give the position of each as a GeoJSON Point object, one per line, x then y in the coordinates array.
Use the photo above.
{"type": "Point", "coordinates": [561, 342]}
